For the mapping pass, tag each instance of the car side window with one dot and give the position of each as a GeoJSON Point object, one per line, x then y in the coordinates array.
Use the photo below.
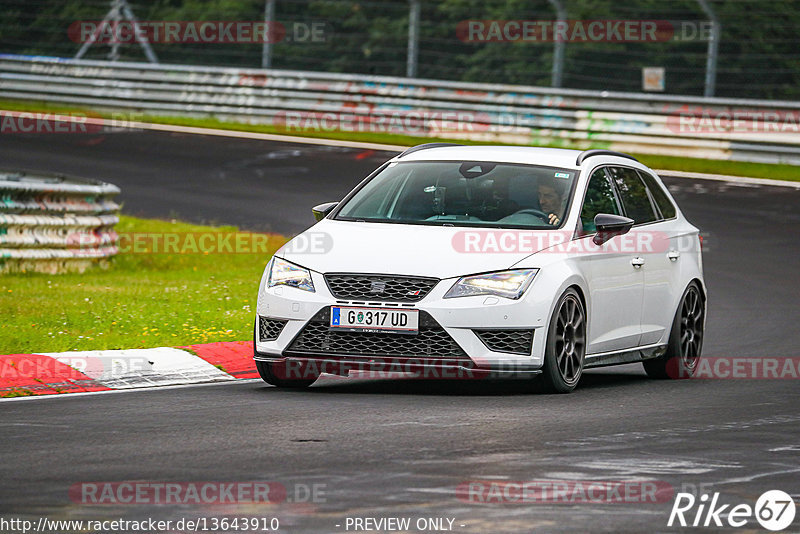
{"type": "Point", "coordinates": [599, 199]}
{"type": "Point", "coordinates": [665, 205]}
{"type": "Point", "coordinates": [633, 193]}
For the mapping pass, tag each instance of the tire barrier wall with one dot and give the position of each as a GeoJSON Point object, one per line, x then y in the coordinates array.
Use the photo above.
{"type": "Point", "coordinates": [54, 223]}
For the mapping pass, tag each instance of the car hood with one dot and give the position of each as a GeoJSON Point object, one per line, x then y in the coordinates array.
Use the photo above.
{"type": "Point", "coordinates": [406, 249]}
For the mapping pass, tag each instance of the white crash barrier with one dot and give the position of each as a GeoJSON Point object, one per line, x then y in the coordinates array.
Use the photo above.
{"type": "Point", "coordinates": [294, 101]}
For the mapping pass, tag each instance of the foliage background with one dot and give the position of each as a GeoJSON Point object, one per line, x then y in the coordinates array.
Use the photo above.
{"type": "Point", "coordinates": [758, 51]}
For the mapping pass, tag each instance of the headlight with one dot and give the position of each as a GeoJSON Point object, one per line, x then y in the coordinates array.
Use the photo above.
{"type": "Point", "coordinates": [508, 284]}
{"type": "Point", "coordinates": [283, 273]}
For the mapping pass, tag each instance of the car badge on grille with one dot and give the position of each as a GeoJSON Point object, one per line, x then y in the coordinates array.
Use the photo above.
{"type": "Point", "coordinates": [413, 293]}
{"type": "Point", "coordinates": [377, 287]}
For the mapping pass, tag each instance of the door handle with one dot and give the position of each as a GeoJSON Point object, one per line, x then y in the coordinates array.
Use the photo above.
{"type": "Point", "coordinates": [637, 262]}
{"type": "Point", "coordinates": [673, 255]}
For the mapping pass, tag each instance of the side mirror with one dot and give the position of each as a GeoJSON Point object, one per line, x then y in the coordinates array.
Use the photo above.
{"type": "Point", "coordinates": [322, 210]}
{"type": "Point", "coordinates": [609, 225]}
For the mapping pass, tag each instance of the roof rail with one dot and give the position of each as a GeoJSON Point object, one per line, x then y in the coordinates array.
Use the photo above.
{"type": "Point", "coordinates": [599, 152]}
{"type": "Point", "coordinates": [426, 146]}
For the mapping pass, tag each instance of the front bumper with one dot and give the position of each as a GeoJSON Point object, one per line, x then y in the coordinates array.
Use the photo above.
{"type": "Point", "coordinates": [458, 318]}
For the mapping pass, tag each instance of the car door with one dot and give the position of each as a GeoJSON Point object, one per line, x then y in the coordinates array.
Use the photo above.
{"type": "Point", "coordinates": [615, 285]}
{"type": "Point", "coordinates": [648, 245]}
{"type": "Point", "coordinates": [662, 264]}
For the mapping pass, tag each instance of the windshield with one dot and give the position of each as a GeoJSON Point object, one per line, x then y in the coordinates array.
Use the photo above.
{"type": "Point", "coordinates": [464, 194]}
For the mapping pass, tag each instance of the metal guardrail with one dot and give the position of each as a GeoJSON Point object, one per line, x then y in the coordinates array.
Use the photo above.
{"type": "Point", "coordinates": [54, 224]}
{"type": "Point", "coordinates": [294, 100]}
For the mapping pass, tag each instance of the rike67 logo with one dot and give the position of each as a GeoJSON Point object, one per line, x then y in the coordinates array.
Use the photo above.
{"type": "Point", "coordinates": [774, 510]}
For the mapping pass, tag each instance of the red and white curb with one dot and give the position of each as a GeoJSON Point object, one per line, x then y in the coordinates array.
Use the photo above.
{"type": "Point", "coordinates": [108, 370]}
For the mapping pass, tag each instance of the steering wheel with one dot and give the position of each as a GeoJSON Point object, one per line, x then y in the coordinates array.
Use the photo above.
{"type": "Point", "coordinates": [532, 211]}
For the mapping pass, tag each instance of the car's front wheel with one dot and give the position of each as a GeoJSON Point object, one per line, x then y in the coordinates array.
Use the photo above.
{"type": "Point", "coordinates": [279, 375]}
{"type": "Point", "coordinates": [685, 339]}
{"type": "Point", "coordinates": [566, 345]}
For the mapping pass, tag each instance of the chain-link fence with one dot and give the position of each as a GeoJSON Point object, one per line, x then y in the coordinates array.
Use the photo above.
{"type": "Point", "coordinates": [582, 44]}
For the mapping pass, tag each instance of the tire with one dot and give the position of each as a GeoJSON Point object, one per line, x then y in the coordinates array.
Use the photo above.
{"type": "Point", "coordinates": [685, 339]}
{"type": "Point", "coordinates": [275, 374]}
{"type": "Point", "coordinates": [565, 347]}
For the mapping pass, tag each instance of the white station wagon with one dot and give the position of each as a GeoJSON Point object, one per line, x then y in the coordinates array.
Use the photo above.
{"type": "Point", "coordinates": [451, 261]}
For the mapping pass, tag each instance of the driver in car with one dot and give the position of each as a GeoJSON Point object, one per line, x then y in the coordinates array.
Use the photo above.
{"type": "Point", "coordinates": [551, 200]}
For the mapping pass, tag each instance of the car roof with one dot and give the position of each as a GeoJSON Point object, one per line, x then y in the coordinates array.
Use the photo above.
{"type": "Point", "coordinates": [551, 157]}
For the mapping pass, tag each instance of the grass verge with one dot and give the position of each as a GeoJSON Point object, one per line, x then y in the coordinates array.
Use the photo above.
{"type": "Point", "coordinates": [674, 163]}
{"type": "Point", "coordinates": [16, 392]}
{"type": "Point", "coordinates": [142, 300]}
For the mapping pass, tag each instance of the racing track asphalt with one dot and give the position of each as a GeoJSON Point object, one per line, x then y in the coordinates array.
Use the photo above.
{"type": "Point", "coordinates": [400, 448]}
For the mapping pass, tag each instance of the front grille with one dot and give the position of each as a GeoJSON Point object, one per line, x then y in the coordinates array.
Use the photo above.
{"type": "Point", "coordinates": [513, 341]}
{"type": "Point", "coordinates": [379, 288]}
{"type": "Point", "coordinates": [269, 329]}
{"type": "Point", "coordinates": [432, 341]}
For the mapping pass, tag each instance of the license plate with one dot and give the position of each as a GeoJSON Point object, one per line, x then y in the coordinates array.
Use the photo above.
{"type": "Point", "coordinates": [374, 320]}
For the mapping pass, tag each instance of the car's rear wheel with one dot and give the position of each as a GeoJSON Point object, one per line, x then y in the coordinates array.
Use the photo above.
{"type": "Point", "coordinates": [685, 339]}
{"type": "Point", "coordinates": [277, 374]}
{"type": "Point", "coordinates": [565, 346]}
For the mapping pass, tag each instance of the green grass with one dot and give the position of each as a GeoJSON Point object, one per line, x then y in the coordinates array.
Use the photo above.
{"type": "Point", "coordinates": [142, 300]}
{"type": "Point", "coordinates": [16, 392]}
{"type": "Point", "coordinates": [725, 167]}
{"type": "Point", "coordinates": [734, 168]}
